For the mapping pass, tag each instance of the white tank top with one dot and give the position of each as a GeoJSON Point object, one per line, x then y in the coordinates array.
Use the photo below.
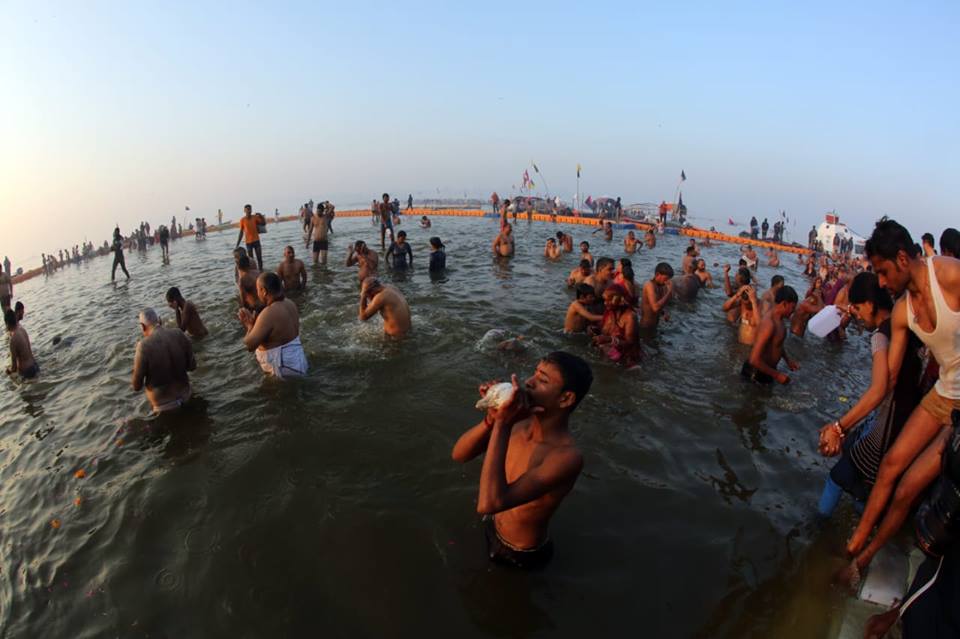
{"type": "Point", "coordinates": [944, 341]}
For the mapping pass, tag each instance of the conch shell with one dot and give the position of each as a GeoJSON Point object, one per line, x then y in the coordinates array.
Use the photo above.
{"type": "Point", "coordinates": [497, 395]}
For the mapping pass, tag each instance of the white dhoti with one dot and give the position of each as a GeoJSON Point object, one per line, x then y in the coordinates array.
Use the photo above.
{"type": "Point", "coordinates": [288, 360]}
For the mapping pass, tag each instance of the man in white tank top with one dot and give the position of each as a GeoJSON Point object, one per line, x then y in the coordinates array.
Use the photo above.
{"type": "Point", "coordinates": [931, 309]}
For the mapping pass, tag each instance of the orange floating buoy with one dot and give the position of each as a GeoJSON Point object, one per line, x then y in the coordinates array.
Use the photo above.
{"type": "Point", "coordinates": [80, 474]}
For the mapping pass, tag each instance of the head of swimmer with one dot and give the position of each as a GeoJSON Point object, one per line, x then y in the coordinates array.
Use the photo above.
{"type": "Point", "coordinates": [386, 198]}
{"type": "Point", "coordinates": [743, 276]}
{"type": "Point", "coordinates": [631, 235]}
{"type": "Point", "coordinates": [785, 301]}
{"type": "Point", "coordinates": [269, 287]}
{"type": "Point", "coordinates": [662, 273]}
{"type": "Point", "coordinates": [360, 247]}
{"type": "Point", "coordinates": [401, 237]}
{"type": "Point", "coordinates": [870, 303]}
{"type": "Point", "coordinates": [174, 298]}
{"type": "Point", "coordinates": [551, 241]}
{"type": "Point", "coordinates": [701, 265]}
{"type": "Point", "coordinates": [585, 268]}
{"type": "Point", "coordinates": [586, 295]}
{"type": "Point", "coordinates": [605, 269]}
{"type": "Point", "coordinates": [891, 249]}
{"type": "Point", "coordinates": [288, 253]}
{"type": "Point", "coordinates": [559, 383]}
{"type": "Point", "coordinates": [776, 281]}
{"type": "Point", "coordinates": [10, 319]}
{"type": "Point", "coordinates": [371, 286]}
{"type": "Point", "coordinates": [247, 210]}
{"type": "Point", "coordinates": [149, 321]}
{"type": "Point", "coordinates": [584, 247]}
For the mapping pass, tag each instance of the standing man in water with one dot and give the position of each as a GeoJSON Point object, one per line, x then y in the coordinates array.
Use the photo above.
{"type": "Point", "coordinates": [318, 232]}
{"type": "Point", "coordinates": [6, 287]}
{"type": "Point", "coordinates": [768, 348]}
{"type": "Point", "coordinates": [21, 355]}
{"type": "Point", "coordinates": [274, 333]}
{"type": "Point", "coordinates": [656, 294]}
{"type": "Point", "coordinates": [386, 220]}
{"type": "Point", "coordinates": [367, 260]}
{"type": "Point", "coordinates": [389, 302]}
{"type": "Point", "coordinates": [164, 357]}
{"type": "Point", "coordinates": [410, 202]}
{"type": "Point", "coordinates": [292, 271]}
{"type": "Point", "coordinates": [251, 235]}
{"type": "Point", "coordinates": [188, 318]}
{"type": "Point", "coordinates": [247, 284]}
{"type": "Point", "coordinates": [118, 259]}
{"type": "Point", "coordinates": [503, 244]}
{"type": "Point", "coordinates": [165, 243]}
{"type": "Point", "coordinates": [531, 461]}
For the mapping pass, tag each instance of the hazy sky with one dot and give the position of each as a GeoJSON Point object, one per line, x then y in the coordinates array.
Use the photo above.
{"type": "Point", "coordinates": [117, 112]}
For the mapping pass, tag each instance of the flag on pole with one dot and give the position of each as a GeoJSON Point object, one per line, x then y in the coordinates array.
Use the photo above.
{"type": "Point", "coordinates": [683, 176]}
{"type": "Point", "coordinates": [535, 167]}
{"type": "Point", "coordinates": [186, 208]}
{"type": "Point", "coordinates": [578, 169]}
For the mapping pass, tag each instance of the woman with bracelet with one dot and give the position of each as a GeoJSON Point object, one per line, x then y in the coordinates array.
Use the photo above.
{"type": "Point", "coordinates": [886, 409]}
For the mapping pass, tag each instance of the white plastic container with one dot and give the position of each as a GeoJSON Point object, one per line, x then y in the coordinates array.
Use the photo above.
{"type": "Point", "coordinates": [825, 321]}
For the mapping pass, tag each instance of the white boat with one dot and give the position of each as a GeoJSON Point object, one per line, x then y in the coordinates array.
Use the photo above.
{"type": "Point", "coordinates": [832, 227]}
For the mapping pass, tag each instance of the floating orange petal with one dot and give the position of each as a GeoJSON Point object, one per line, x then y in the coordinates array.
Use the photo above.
{"type": "Point", "coordinates": [55, 523]}
{"type": "Point", "coordinates": [80, 474]}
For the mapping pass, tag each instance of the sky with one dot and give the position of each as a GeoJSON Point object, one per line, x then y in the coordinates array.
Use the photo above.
{"type": "Point", "coordinates": [112, 113]}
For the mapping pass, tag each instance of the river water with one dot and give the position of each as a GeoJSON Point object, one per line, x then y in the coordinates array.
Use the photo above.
{"type": "Point", "coordinates": [329, 506]}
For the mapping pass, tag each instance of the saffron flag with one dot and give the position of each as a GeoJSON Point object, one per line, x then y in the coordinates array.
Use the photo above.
{"type": "Point", "coordinates": [683, 176]}
{"type": "Point", "coordinates": [730, 221]}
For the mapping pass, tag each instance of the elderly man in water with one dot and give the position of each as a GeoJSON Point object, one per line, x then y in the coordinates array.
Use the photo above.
{"type": "Point", "coordinates": [292, 271]}
{"type": "Point", "coordinates": [531, 461]}
{"type": "Point", "coordinates": [188, 318]}
{"type": "Point", "coordinates": [389, 302]}
{"type": "Point", "coordinates": [503, 245]}
{"type": "Point", "coordinates": [274, 333]}
{"type": "Point", "coordinates": [162, 362]}
{"type": "Point", "coordinates": [21, 355]}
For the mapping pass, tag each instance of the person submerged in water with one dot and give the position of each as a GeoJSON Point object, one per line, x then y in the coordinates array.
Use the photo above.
{"type": "Point", "coordinates": [656, 294]}
{"type": "Point", "coordinates": [579, 274]}
{"type": "Point", "coordinates": [389, 302]}
{"type": "Point", "coordinates": [425, 222]}
{"type": "Point", "coordinates": [21, 355]}
{"type": "Point", "coordinates": [291, 270]}
{"type": "Point", "coordinates": [630, 242]}
{"type": "Point", "coordinates": [188, 318]}
{"type": "Point", "coordinates": [162, 364]}
{"type": "Point", "coordinates": [811, 304]}
{"type": "Point", "coordinates": [399, 256]}
{"type": "Point", "coordinates": [650, 239]}
{"type": "Point", "coordinates": [274, 333]}
{"type": "Point", "coordinates": [602, 277]}
{"type": "Point", "coordinates": [438, 255]}
{"type": "Point", "coordinates": [768, 348]}
{"type": "Point", "coordinates": [531, 462]}
{"type": "Point", "coordinates": [578, 313]}
{"type": "Point", "coordinates": [746, 311]}
{"type": "Point", "coordinates": [706, 280]}
{"type": "Point", "coordinates": [247, 284]}
{"type": "Point", "coordinates": [772, 258]}
{"type": "Point", "coordinates": [766, 300]}
{"type": "Point", "coordinates": [585, 252]}
{"type": "Point", "coordinates": [503, 244]}
{"type": "Point", "coordinates": [366, 259]}
{"type": "Point", "coordinates": [551, 251]}
{"type": "Point", "coordinates": [619, 337]}
{"type": "Point", "coordinates": [565, 241]}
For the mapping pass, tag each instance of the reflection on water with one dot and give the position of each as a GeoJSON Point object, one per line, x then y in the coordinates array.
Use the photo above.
{"type": "Point", "coordinates": [276, 509]}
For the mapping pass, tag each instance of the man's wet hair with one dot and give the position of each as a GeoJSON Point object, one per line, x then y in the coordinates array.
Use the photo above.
{"type": "Point", "coordinates": [742, 262]}
{"type": "Point", "coordinates": [10, 318]}
{"type": "Point", "coordinates": [272, 283]}
{"type": "Point", "coordinates": [550, 239]}
{"type": "Point", "coordinates": [402, 234]}
{"type": "Point", "coordinates": [560, 235]}
{"type": "Point", "coordinates": [888, 239]}
{"type": "Point", "coordinates": [385, 196]}
{"type": "Point", "coordinates": [627, 272]}
{"type": "Point", "coordinates": [927, 238]}
{"type": "Point", "coordinates": [18, 307]}
{"type": "Point", "coordinates": [174, 294]}
{"type": "Point", "coordinates": [950, 243]}
{"type": "Point", "coordinates": [237, 252]}
{"type": "Point", "coordinates": [865, 287]}
{"type": "Point", "coordinates": [663, 269]}
{"type": "Point", "coordinates": [243, 263]}
{"type": "Point", "coordinates": [247, 206]}
{"type": "Point", "coordinates": [576, 374]}
{"type": "Point", "coordinates": [585, 289]}
{"type": "Point", "coordinates": [585, 263]}
{"type": "Point", "coordinates": [690, 250]}
{"type": "Point", "coordinates": [436, 242]}
{"type": "Point", "coordinates": [291, 249]}
{"type": "Point", "coordinates": [776, 279]}
{"type": "Point", "coordinates": [744, 274]}
{"type": "Point", "coordinates": [585, 243]}
{"type": "Point", "coordinates": [359, 244]}
{"type": "Point", "coordinates": [603, 262]}
{"type": "Point", "coordinates": [785, 294]}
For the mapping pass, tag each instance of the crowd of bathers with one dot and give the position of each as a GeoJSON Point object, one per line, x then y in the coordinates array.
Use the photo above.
{"type": "Point", "coordinates": [896, 447]}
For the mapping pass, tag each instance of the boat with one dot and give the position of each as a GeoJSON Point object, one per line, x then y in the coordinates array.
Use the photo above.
{"type": "Point", "coordinates": [832, 227]}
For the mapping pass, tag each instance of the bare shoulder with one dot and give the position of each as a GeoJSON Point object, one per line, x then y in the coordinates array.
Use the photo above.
{"type": "Point", "coordinates": [947, 270]}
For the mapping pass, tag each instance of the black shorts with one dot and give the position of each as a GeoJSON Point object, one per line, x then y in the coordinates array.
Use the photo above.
{"type": "Point", "coordinates": [31, 372]}
{"type": "Point", "coordinates": [502, 553]}
{"type": "Point", "coordinates": [253, 245]}
{"type": "Point", "coordinates": [319, 245]}
{"type": "Point", "coordinates": [749, 372]}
